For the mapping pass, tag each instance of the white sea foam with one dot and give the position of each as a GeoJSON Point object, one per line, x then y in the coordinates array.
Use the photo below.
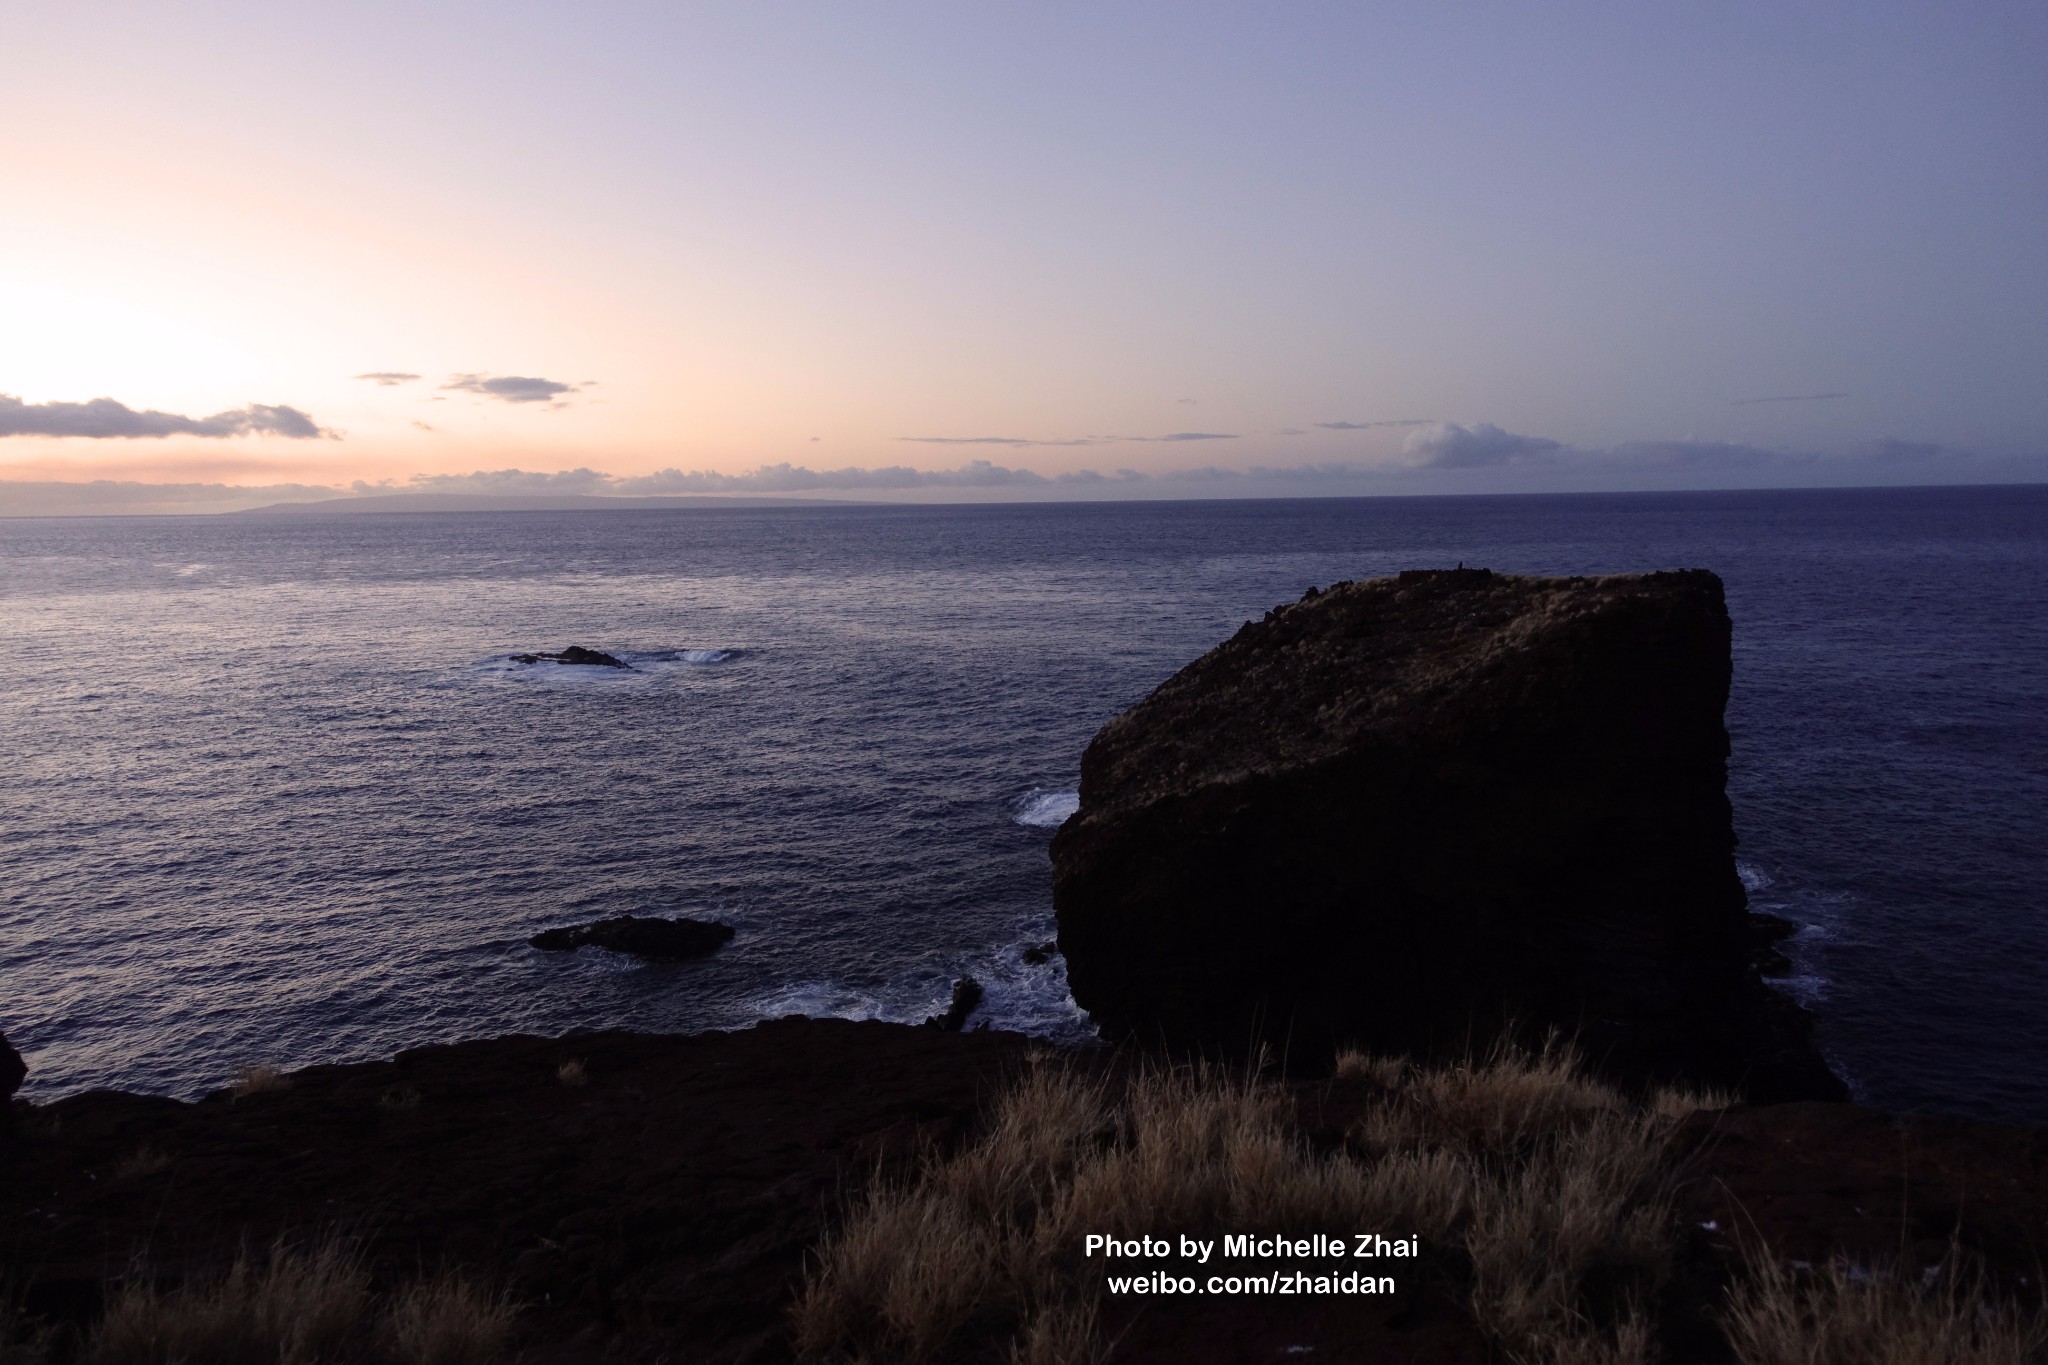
{"type": "Point", "coordinates": [1017, 997]}
{"type": "Point", "coordinates": [600, 961]}
{"type": "Point", "coordinates": [826, 1000]}
{"type": "Point", "coordinates": [1807, 988]}
{"type": "Point", "coordinates": [677, 656]}
{"type": "Point", "coordinates": [1754, 878]}
{"type": "Point", "coordinates": [1817, 916]}
{"type": "Point", "coordinates": [1034, 1000]}
{"type": "Point", "coordinates": [548, 673]}
{"type": "Point", "coordinates": [1043, 809]}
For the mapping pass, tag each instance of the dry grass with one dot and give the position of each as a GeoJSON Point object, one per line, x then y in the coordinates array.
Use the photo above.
{"type": "Point", "coordinates": [1060, 1334]}
{"type": "Point", "coordinates": [572, 1072]}
{"type": "Point", "coordinates": [915, 1264]}
{"type": "Point", "coordinates": [258, 1080]}
{"type": "Point", "coordinates": [1386, 1072]}
{"type": "Point", "coordinates": [22, 1340]}
{"type": "Point", "coordinates": [307, 1305]}
{"type": "Point", "coordinates": [1540, 1181]}
{"type": "Point", "coordinates": [1844, 1314]}
{"type": "Point", "coordinates": [1570, 1226]}
{"type": "Point", "coordinates": [451, 1321]}
{"type": "Point", "coordinates": [27, 1344]}
{"type": "Point", "coordinates": [296, 1307]}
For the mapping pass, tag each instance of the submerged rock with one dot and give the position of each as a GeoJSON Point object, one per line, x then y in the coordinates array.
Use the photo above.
{"type": "Point", "coordinates": [966, 998]}
{"type": "Point", "coordinates": [1404, 813]}
{"type": "Point", "coordinates": [662, 940]}
{"type": "Point", "coordinates": [574, 654]}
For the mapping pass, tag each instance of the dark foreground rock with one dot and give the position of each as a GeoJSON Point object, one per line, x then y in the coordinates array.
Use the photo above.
{"type": "Point", "coordinates": [574, 654]}
{"type": "Point", "coordinates": [1404, 812]}
{"type": "Point", "coordinates": [664, 1209]}
{"type": "Point", "coordinates": [660, 940]}
{"type": "Point", "coordinates": [12, 1070]}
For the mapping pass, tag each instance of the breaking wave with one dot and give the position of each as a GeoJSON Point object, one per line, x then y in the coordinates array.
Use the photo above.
{"type": "Point", "coordinates": [1042, 809]}
{"type": "Point", "coordinates": [1018, 997]}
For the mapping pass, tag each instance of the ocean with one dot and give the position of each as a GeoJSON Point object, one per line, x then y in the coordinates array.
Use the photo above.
{"type": "Point", "coordinates": [276, 791]}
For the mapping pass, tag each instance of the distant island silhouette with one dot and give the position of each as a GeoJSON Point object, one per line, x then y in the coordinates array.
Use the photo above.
{"type": "Point", "coordinates": [514, 502]}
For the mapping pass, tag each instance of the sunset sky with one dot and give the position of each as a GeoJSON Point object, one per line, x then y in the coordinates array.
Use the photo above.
{"type": "Point", "coordinates": [1229, 249]}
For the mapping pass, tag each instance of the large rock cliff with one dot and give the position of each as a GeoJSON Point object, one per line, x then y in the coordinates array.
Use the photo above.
{"type": "Point", "coordinates": [1407, 812]}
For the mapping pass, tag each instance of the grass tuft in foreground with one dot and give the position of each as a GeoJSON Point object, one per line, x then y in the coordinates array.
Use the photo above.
{"type": "Point", "coordinates": [300, 1306]}
{"type": "Point", "coordinates": [1544, 1199]}
{"type": "Point", "coordinates": [1844, 1314]}
{"type": "Point", "coordinates": [1531, 1180]}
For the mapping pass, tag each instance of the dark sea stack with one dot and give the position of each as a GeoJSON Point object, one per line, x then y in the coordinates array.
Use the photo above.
{"type": "Point", "coordinates": [660, 940]}
{"type": "Point", "coordinates": [575, 654]}
{"type": "Point", "coordinates": [1404, 812]}
{"type": "Point", "coordinates": [966, 999]}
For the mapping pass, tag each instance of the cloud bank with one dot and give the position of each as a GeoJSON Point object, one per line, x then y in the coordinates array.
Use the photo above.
{"type": "Point", "coordinates": [995, 441]}
{"type": "Point", "coordinates": [1071, 441]}
{"type": "Point", "coordinates": [386, 379]}
{"type": "Point", "coordinates": [1443, 457]}
{"type": "Point", "coordinates": [511, 388]}
{"type": "Point", "coordinates": [775, 478]}
{"type": "Point", "coordinates": [794, 478]}
{"type": "Point", "coordinates": [1446, 445]}
{"type": "Point", "coordinates": [102, 419]}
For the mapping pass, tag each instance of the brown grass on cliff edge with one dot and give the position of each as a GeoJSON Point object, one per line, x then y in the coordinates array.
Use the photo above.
{"type": "Point", "coordinates": [1527, 1183]}
{"type": "Point", "coordinates": [300, 1305]}
{"type": "Point", "coordinates": [1543, 1197]}
{"type": "Point", "coordinates": [1846, 1314]}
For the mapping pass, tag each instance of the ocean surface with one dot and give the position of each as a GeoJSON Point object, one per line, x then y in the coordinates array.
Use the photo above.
{"type": "Point", "coordinates": [275, 791]}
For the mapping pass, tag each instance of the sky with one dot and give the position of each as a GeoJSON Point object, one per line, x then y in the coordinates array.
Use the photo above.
{"type": "Point", "coordinates": [1032, 250]}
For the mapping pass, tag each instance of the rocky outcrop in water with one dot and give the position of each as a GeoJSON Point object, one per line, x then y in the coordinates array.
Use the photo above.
{"type": "Point", "coordinates": [574, 654]}
{"type": "Point", "coordinates": [966, 999]}
{"type": "Point", "coordinates": [1403, 812]}
{"type": "Point", "coordinates": [662, 940]}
